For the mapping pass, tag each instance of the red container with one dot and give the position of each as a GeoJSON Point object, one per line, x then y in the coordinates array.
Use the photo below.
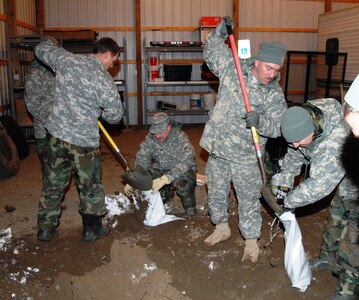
{"type": "Point", "coordinates": [210, 20]}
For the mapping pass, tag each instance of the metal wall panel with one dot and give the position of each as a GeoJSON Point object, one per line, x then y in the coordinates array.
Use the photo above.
{"type": "Point", "coordinates": [342, 24]}
{"type": "Point", "coordinates": [26, 11]}
{"type": "Point", "coordinates": [187, 13]}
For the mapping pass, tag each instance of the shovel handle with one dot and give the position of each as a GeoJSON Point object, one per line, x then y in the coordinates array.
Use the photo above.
{"type": "Point", "coordinates": [247, 104]}
{"type": "Point", "coordinates": [111, 141]}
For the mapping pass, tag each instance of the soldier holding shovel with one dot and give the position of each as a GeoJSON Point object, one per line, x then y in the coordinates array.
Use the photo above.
{"type": "Point", "coordinates": [227, 137]}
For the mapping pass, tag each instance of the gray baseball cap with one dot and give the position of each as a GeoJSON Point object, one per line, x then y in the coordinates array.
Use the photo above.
{"type": "Point", "coordinates": [159, 123]}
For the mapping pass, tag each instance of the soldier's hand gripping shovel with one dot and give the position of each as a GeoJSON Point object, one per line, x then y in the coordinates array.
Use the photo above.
{"type": "Point", "coordinates": [266, 192]}
{"type": "Point", "coordinates": [139, 178]}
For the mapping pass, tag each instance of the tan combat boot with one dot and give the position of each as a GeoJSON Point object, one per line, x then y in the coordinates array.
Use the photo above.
{"type": "Point", "coordinates": [220, 234]}
{"type": "Point", "coordinates": [251, 250]}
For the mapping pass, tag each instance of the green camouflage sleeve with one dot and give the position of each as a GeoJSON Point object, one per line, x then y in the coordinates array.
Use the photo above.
{"type": "Point", "coordinates": [35, 91]}
{"type": "Point", "coordinates": [274, 105]}
{"type": "Point", "coordinates": [217, 54]}
{"type": "Point", "coordinates": [144, 154]}
{"type": "Point", "coordinates": [185, 158]}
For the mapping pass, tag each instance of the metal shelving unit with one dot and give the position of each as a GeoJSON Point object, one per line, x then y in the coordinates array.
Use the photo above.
{"type": "Point", "coordinates": [158, 88]}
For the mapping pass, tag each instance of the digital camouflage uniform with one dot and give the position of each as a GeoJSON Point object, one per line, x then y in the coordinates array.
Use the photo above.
{"type": "Point", "coordinates": [175, 157]}
{"type": "Point", "coordinates": [232, 156]}
{"type": "Point", "coordinates": [39, 97]}
{"type": "Point", "coordinates": [84, 92]}
{"type": "Point", "coordinates": [340, 239]}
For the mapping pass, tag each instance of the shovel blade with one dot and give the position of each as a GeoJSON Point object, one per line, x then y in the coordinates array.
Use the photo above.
{"type": "Point", "coordinates": [139, 178]}
{"type": "Point", "coordinates": [270, 199]}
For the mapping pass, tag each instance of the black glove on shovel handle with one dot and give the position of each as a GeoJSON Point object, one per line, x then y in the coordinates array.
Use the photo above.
{"type": "Point", "coordinates": [139, 178]}
{"type": "Point", "coordinates": [266, 193]}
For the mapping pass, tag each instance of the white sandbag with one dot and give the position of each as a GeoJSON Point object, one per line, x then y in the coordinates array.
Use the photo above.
{"type": "Point", "coordinates": [156, 213]}
{"type": "Point", "coordinates": [295, 259]}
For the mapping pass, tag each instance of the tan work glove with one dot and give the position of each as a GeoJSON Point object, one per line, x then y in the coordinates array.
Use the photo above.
{"type": "Point", "coordinates": [128, 190]}
{"type": "Point", "coordinates": [158, 183]}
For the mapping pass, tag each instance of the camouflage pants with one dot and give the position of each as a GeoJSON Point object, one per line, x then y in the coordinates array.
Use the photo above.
{"type": "Point", "coordinates": [41, 151]}
{"type": "Point", "coordinates": [185, 187]}
{"type": "Point", "coordinates": [341, 237]}
{"type": "Point", "coordinates": [247, 184]}
{"type": "Point", "coordinates": [62, 160]}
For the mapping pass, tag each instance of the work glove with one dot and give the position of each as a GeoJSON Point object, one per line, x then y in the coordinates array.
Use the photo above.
{"type": "Point", "coordinates": [252, 119]}
{"type": "Point", "coordinates": [158, 183]}
{"type": "Point", "coordinates": [49, 38]}
{"type": "Point", "coordinates": [282, 194]}
{"type": "Point", "coordinates": [128, 190]}
{"type": "Point", "coordinates": [221, 29]}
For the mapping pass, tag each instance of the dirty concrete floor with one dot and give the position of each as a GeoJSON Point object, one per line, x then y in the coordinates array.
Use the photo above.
{"type": "Point", "coordinates": [139, 262]}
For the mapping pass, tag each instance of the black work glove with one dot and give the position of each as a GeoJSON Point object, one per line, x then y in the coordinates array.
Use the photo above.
{"type": "Point", "coordinates": [221, 29]}
{"type": "Point", "coordinates": [252, 119]}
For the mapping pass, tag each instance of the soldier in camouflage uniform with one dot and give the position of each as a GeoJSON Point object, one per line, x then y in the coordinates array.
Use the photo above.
{"type": "Point", "coordinates": [84, 92]}
{"type": "Point", "coordinates": [316, 132]}
{"type": "Point", "coordinates": [228, 139]}
{"type": "Point", "coordinates": [169, 156]}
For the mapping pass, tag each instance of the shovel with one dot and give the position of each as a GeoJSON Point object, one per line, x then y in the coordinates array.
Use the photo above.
{"type": "Point", "coordinates": [266, 192]}
{"type": "Point", "coordinates": [139, 178]}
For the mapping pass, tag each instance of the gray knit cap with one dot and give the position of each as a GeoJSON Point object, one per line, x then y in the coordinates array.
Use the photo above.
{"type": "Point", "coordinates": [272, 52]}
{"type": "Point", "coordinates": [296, 124]}
{"type": "Point", "coordinates": [159, 123]}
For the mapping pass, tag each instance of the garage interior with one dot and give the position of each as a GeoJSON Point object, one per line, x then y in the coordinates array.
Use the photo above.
{"type": "Point", "coordinates": [168, 261]}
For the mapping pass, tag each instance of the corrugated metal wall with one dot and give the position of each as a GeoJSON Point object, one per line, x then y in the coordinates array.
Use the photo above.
{"type": "Point", "coordinates": [344, 25]}
{"type": "Point", "coordinates": [118, 18]}
{"type": "Point", "coordinates": [25, 10]}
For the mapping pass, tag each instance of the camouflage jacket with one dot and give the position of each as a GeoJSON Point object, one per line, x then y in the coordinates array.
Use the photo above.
{"type": "Point", "coordinates": [225, 134]}
{"type": "Point", "coordinates": [174, 156]}
{"type": "Point", "coordinates": [39, 95]}
{"type": "Point", "coordinates": [84, 92]}
{"type": "Point", "coordinates": [323, 154]}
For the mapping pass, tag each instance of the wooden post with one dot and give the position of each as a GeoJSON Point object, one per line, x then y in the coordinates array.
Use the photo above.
{"type": "Point", "coordinates": [13, 56]}
{"type": "Point", "coordinates": [328, 5]}
{"type": "Point", "coordinates": [139, 63]}
{"type": "Point", "coordinates": [235, 19]}
{"type": "Point", "coordinates": [40, 15]}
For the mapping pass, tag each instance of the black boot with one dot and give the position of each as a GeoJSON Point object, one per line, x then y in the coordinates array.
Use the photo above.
{"type": "Point", "coordinates": [46, 235]}
{"type": "Point", "coordinates": [92, 228]}
{"type": "Point", "coordinates": [190, 212]}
